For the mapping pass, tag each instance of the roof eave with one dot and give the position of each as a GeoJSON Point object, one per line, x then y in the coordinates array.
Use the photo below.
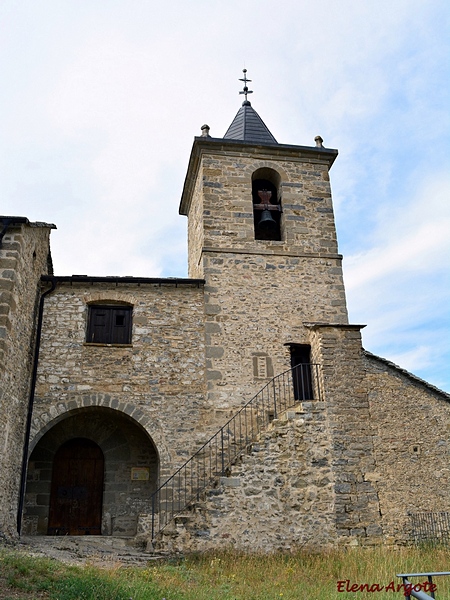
{"type": "Point", "coordinates": [14, 221]}
{"type": "Point", "coordinates": [89, 279]}
{"type": "Point", "coordinates": [407, 374]}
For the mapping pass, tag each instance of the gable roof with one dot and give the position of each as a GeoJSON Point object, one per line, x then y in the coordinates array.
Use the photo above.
{"type": "Point", "coordinates": [407, 374]}
{"type": "Point", "coordinates": [248, 126]}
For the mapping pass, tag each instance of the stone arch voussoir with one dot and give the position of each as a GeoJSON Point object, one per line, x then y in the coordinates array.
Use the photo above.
{"type": "Point", "coordinates": [112, 295]}
{"type": "Point", "coordinates": [268, 164]}
{"type": "Point", "coordinates": [44, 420]}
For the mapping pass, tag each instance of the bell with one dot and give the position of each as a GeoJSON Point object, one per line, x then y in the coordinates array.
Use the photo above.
{"type": "Point", "coordinates": [266, 222]}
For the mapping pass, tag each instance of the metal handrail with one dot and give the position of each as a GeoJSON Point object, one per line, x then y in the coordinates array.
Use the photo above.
{"type": "Point", "coordinates": [410, 588]}
{"type": "Point", "coordinates": [215, 457]}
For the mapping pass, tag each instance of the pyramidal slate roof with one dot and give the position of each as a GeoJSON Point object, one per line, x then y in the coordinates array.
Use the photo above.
{"type": "Point", "coordinates": [248, 126]}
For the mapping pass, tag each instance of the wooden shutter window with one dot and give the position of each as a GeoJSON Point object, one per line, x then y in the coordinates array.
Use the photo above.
{"type": "Point", "coordinates": [109, 325]}
{"type": "Point", "coordinates": [121, 326]}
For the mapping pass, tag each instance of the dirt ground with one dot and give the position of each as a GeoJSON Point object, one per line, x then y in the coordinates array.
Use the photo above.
{"type": "Point", "coordinates": [79, 550]}
{"type": "Point", "coordinates": [75, 550]}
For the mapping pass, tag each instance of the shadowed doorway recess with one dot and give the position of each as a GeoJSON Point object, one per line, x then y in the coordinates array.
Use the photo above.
{"type": "Point", "coordinates": [77, 489]}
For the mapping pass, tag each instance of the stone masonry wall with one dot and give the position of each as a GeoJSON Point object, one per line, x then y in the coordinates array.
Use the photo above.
{"type": "Point", "coordinates": [357, 508]}
{"type": "Point", "coordinates": [23, 259]}
{"type": "Point", "coordinates": [278, 496]}
{"type": "Point", "coordinates": [254, 306]}
{"type": "Point", "coordinates": [195, 229]}
{"type": "Point", "coordinates": [258, 294]}
{"type": "Point", "coordinates": [158, 380]}
{"type": "Point", "coordinates": [411, 421]}
{"type": "Point", "coordinates": [307, 218]}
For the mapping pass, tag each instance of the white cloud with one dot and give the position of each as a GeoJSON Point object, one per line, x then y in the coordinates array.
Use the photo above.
{"type": "Point", "coordinates": [400, 286]}
{"type": "Point", "coordinates": [411, 238]}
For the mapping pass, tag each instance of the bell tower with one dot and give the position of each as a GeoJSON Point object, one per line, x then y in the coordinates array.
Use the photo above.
{"type": "Point", "coordinates": [261, 232]}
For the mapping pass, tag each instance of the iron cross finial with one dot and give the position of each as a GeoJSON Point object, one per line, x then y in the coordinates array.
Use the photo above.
{"type": "Point", "coordinates": [245, 80]}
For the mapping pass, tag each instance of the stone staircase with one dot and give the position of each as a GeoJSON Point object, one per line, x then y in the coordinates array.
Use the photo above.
{"type": "Point", "coordinates": [277, 495]}
{"type": "Point", "coordinates": [293, 392]}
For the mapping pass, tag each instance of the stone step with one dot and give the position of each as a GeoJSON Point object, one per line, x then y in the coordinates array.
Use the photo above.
{"type": "Point", "coordinates": [100, 550]}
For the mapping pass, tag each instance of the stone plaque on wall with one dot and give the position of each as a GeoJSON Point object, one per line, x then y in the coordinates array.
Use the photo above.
{"type": "Point", "coordinates": [140, 474]}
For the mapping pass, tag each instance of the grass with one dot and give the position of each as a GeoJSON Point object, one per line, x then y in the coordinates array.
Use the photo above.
{"type": "Point", "coordinates": [227, 576]}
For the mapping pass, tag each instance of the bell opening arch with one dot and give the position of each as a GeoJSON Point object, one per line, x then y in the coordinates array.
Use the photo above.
{"type": "Point", "coordinates": [266, 199]}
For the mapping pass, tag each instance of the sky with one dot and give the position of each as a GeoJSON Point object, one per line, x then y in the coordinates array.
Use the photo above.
{"type": "Point", "coordinates": [101, 100]}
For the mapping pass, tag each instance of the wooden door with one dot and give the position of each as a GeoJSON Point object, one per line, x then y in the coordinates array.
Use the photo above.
{"type": "Point", "coordinates": [77, 489]}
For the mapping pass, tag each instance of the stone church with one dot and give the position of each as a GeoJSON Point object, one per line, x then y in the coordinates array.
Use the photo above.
{"type": "Point", "coordinates": [236, 407]}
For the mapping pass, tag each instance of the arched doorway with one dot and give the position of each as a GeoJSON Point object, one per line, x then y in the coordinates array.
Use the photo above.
{"type": "Point", "coordinates": [129, 474]}
{"type": "Point", "coordinates": [77, 489]}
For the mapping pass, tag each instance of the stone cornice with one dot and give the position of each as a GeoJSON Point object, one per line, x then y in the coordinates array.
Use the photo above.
{"type": "Point", "coordinates": [347, 326]}
{"type": "Point", "coordinates": [271, 252]}
{"type": "Point", "coordinates": [14, 221]}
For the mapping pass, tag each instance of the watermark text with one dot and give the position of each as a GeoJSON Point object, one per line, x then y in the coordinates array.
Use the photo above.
{"type": "Point", "coordinates": [346, 585]}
